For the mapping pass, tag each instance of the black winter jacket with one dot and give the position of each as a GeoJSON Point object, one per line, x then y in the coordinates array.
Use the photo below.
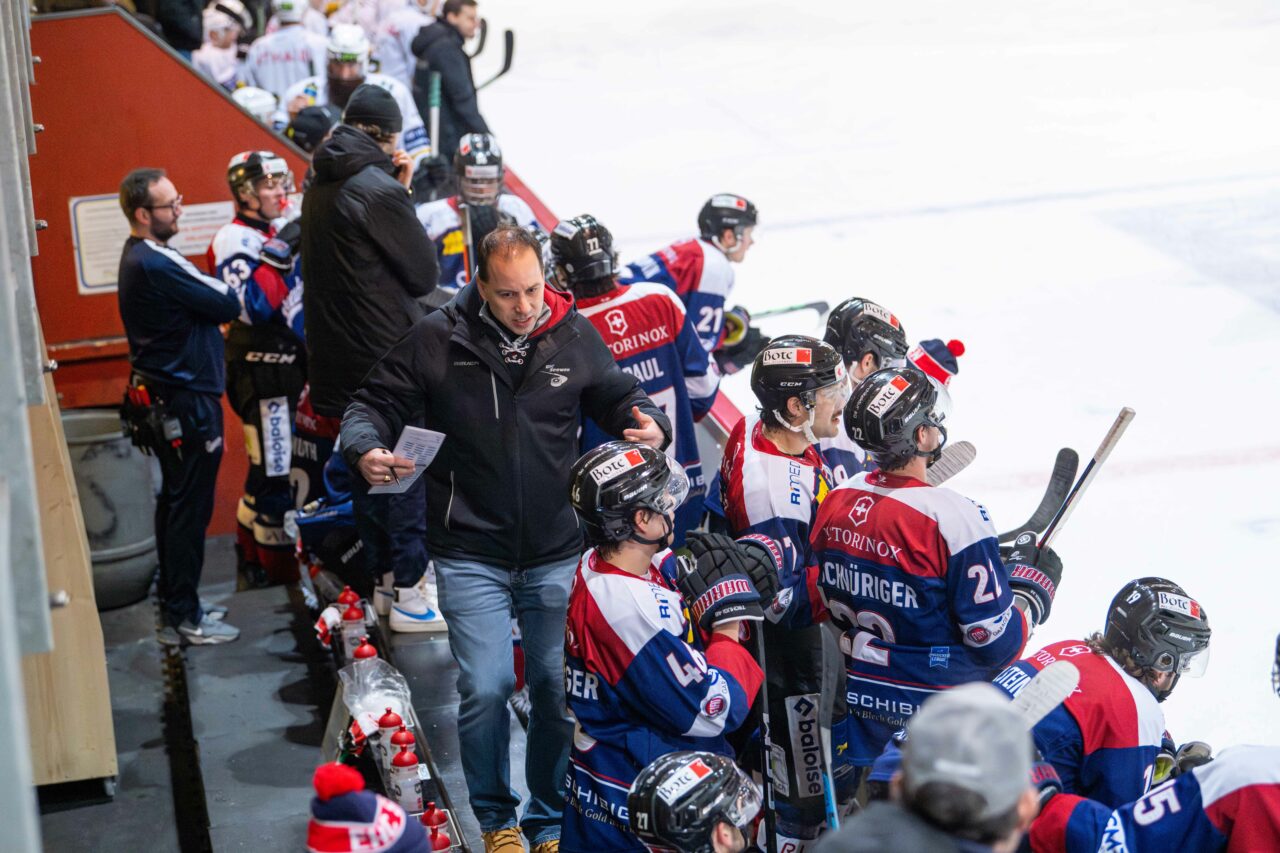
{"type": "Point", "coordinates": [498, 490]}
{"type": "Point", "coordinates": [365, 259]}
{"type": "Point", "coordinates": [181, 23]}
{"type": "Point", "coordinates": [440, 46]}
{"type": "Point", "coordinates": [888, 826]}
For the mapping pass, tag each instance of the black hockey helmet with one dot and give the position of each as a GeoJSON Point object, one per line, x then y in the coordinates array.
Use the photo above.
{"type": "Point", "coordinates": [1161, 627]}
{"type": "Point", "coordinates": [794, 366]}
{"type": "Point", "coordinates": [889, 406]}
{"type": "Point", "coordinates": [249, 167]}
{"type": "Point", "coordinates": [859, 326]}
{"type": "Point", "coordinates": [609, 483]}
{"type": "Point", "coordinates": [677, 800]}
{"type": "Point", "coordinates": [725, 210]}
{"type": "Point", "coordinates": [581, 251]}
{"type": "Point", "coordinates": [478, 163]}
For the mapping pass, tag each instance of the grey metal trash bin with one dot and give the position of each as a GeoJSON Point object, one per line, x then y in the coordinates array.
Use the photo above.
{"type": "Point", "coordinates": [117, 498]}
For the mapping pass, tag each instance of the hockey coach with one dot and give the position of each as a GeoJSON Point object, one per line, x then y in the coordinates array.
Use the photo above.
{"type": "Point", "coordinates": [506, 371]}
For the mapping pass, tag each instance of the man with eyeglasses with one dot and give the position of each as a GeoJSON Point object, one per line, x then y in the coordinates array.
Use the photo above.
{"type": "Point", "coordinates": [171, 314]}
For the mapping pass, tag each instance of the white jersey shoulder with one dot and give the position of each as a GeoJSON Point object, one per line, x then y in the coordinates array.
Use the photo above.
{"type": "Point", "coordinates": [961, 522]}
{"type": "Point", "coordinates": [775, 486]}
{"type": "Point", "coordinates": [517, 208]}
{"type": "Point", "coordinates": [635, 608]}
{"type": "Point", "coordinates": [235, 239]}
{"type": "Point", "coordinates": [717, 271]}
{"type": "Point", "coordinates": [438, 217]}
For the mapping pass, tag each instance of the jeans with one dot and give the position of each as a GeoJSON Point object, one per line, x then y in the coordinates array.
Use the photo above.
{"type": "Point", "coordinates": [477, 601]}
{"type": "Point", "coordinates": [393, 530]}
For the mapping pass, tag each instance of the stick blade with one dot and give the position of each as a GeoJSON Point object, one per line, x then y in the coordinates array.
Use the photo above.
{"type": "Point", "coordinates": [955, 458]}
{"type": "Point", "coordinates": [1049, 689]}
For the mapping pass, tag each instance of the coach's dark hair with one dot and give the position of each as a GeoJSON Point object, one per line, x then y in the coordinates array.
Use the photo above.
{"type": "Point", "coordinates": [952, 809]}
{"type": "Point", "coordinates": [453, 7]}
{"type": "Point", "coordinates": [135, 190]}
{"type": "Point", "coordinates": [505, 241]}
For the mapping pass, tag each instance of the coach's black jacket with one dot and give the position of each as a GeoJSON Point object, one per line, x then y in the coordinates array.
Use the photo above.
{"type": "Point", "coordinates": [498, 491]}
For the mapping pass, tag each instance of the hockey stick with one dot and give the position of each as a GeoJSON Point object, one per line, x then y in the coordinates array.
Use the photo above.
{"type": "Point", "coordinates": [1064, 473]}
{"type": "Point", "coordinates": [833, 679]}
{"type": "Point", "coordinates": [1100, 455]}
{"type": "Point", "coordinates": [955, 458]}
{"type": "Point", "coordinates": [820, 307]}
{"type": "Point", "coordinates": [483, 35]}
{"type": "Point", "coordinates": [1049, 689]}
{"type": "Point", "coordinates": [433, 112]}
{"type": "Point", "coordinates": [508, 47]}
{"type": "Point", "coordinates": [766, 751]}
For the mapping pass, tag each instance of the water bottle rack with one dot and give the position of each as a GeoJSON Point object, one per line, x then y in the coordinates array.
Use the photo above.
{"type": "Point", "coordinates": [368, 760]}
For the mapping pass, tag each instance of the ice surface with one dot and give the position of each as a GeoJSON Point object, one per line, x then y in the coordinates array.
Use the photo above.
{"type": "Point", "coordinates": [1086, 193]}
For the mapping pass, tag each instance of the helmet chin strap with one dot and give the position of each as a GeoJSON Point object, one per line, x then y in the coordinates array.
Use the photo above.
{"type": "Point", "coordinates": [935, 454]}
{"type": "Point", "coordinates": [806, 427]}
{"type": "Point", "coordinates": [663, 541]}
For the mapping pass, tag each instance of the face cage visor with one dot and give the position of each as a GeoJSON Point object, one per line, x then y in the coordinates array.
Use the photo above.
{"type": "Point", "coordinates": [745, 804]}
{"type": "Point", "coordinates": [674, 492]}
{"type": "Point", "coordinates": [1190, 664]}
{"type": "Point", "coordinates": [480, 184]}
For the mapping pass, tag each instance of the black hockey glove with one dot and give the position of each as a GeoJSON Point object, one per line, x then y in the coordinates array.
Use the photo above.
{"type": "Point", "coordinates": [281, 250]}
{"type": "Point", "coordinates": [431, 180]}
{"type": "Point", "coordinates": [1034, 573]}
{"type": "Point", "coordinates": [483, 218]}
{"type": "Point", "coordinates": [764, 563]}
{"type": "Point", "coordinates": [739, 356]}
{"type": "Point", "coordinates": [716, 582]}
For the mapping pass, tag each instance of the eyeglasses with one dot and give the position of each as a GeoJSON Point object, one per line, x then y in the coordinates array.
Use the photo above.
{"type": "Point", "coordinates": [176, 205]}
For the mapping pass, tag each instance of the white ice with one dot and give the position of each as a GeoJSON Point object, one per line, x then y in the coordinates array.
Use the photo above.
{"type": "Point", "coordinates": [1086, 193]}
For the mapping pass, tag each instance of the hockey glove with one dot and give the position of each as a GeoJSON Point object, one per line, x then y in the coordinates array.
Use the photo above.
{"type": "Point", "coordinates": [1034, 573]}
{"type": "Point", "coordinates": [739, 356]}
{"type": "Point", "coordinates": [716, 583]}
{"type": "Point", "coordinates": [1046, 781]}
{"type": "Point", "coordinates": [764, 563]}
{"type": "Point", "coordinates": [281, 250]}
{"type": "Point", "coordinates": [1172, 762]}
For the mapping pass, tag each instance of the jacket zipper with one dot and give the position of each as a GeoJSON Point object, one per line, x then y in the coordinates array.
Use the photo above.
{"type": "Point", "coordinates": [493, 380]}
{"type": "Point", "coordinates": [448, 510]}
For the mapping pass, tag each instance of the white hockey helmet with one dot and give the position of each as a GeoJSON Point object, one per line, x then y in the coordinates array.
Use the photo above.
{"type": "Point", "coordinates": [348, 43]}
{"type": "Point", "coordinates": [259, 102]}
{"type": "Point", "coordinates": [289, 11]}
{"type": "Point", "coordinates": [225, 14]}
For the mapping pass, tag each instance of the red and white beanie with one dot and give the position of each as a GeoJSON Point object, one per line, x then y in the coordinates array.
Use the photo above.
{"type": "Point", "coordinates": [936, 359]}
{"type": "Point", "coordinates": [345, 818]}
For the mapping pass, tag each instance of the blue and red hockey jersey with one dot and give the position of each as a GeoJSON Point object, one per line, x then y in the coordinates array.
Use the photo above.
{"type": "Point", "coordinates": [912, 574]}
{"type": "Point", "coordinates": [844, 457]}
{"type": "Point", "coordinates": [266, 294]}
{"type": "Point", "coordinates": [768, 493]}
{"type": "Point", "coordinates": [443, 224]}
{"type": "Point", "coordinates": [640, 683]}
{"type": "Point", "coordinates": [1104, 738]}
{"type": "Point", "coordinates": [646, 329]}
{"type": "Point", "coordinates": [701, 276]}
{"type": "Point", "coordinates": [1231, 804]}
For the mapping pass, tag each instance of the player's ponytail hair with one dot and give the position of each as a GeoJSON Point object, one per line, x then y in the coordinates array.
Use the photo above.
{"type": "Point", "coordinates": [1099, 646]}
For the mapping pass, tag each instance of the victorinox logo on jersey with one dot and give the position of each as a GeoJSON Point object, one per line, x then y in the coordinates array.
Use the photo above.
{"type": "Point", "coordinates": [861, 509]}
{"type": "Point", "coordinates": [606, 471]}
{"type": "Point", "coordinates": [617, 322]}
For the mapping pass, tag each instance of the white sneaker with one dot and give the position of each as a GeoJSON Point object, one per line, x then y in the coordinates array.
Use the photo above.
{"type": "Point", "coordinates": [413, 611]}
{"type": "Point", "coordinates": [384, 594]}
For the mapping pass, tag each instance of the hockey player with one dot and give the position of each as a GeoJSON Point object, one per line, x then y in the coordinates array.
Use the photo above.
{"type": "Point", "coordinates": [346, 69]}
{"type": "Point", "coordinates": [266, 360]}
{"type": "Point", "coordinates": [693, 802]}
{"type": "Point", "coordinates": [646, 329]}
{"type": "Point", "coordinates": [396, 32]}
{"type": "Point", "coordinates": [278, 60]}
{"type": "Point", "coordinates": [1105, 740]}
{"type": "Point", "coordinates": [478, 166]}
{"type": "Point", "coordinates": [700, 270]}
{"type": "Point", "coordinates": [911, 573]}
{"type": "Point", "coordinates": [640, 680]}
{"type": "Point", "coordinates": [868, 338]}
{"type": "Point", "coordinates": [219, 57]}
{"type": "Point", "coordinates": [772, 481]}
